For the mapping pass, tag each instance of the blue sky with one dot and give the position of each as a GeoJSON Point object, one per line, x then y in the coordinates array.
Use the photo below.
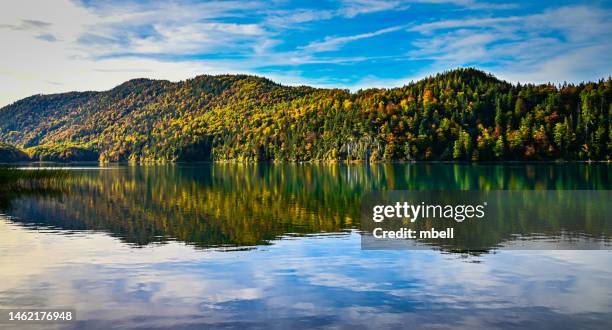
{"type": "Point", "coordinates": [66, 45]}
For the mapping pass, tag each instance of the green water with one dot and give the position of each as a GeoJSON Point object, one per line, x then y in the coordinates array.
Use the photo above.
{"type": "Point", "coordinates": [245, 205]}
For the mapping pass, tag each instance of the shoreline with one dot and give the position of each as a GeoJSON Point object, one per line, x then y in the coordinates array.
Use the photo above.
{"type": "Point", "coordinates": [310, 162]}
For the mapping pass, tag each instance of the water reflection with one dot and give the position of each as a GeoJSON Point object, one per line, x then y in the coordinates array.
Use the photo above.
{"type": "Point", "coordinates": [230, 205]}
{"type": "Point", "coordinates": [319, 281]}
{"type": "Point", "coordinates": [510, 219]}
{"type": "Point", "coordinates": [305, 283]}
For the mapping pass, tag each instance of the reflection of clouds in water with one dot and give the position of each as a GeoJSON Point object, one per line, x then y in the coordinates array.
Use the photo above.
{"type": "Point", "coordinates": [579, 279]}
{"type": "Point", "coordinates": [319, 281]}
{"type": "Point", "coordinates": [341, 281]}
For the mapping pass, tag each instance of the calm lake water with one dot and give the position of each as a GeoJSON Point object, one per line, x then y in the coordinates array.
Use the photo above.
{"type": "Point", "coordinates": [278, 246]}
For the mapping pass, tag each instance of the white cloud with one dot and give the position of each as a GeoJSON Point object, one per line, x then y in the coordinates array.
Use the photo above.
{"type": "Point", "coordinates": [352, 8]}
{"type": "Point", "coordinates": [195, 38]}
{"type": "Point", "coordinates": [286, 18]}
{"type": "Point", "coordinates": [566, 66]}
{"type": "Point", "coordinates": [428, 28]}
{"type": "Point", "coordinates": [567, 43]}
{"type": "Point", "coordinates": [470, 4]}
{"type": "Point", "coordinates": [461, 46]}
{"type": "Point", "coordinates": [61, 45]}
{"type": "Point", "coordinates": [334, 43]}
{"type": "Point", "coordinates": [346, 9]}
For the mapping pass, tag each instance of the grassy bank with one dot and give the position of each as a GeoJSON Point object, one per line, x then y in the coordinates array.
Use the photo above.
{"type": "Point", "coordinates": [13, 179]}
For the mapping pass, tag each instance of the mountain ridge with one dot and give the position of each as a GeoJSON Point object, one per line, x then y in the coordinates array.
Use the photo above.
{"type": "Point", "coordinates": [462, 114]}
{"type": "Point", "coordinates": [200, 76]}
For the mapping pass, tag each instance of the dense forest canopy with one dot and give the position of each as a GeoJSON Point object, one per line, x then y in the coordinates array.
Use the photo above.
{"type": "Point", "coordinates": [464, 114]}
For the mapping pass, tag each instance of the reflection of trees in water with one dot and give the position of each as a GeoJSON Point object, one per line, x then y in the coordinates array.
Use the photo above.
{"type": "Point", "coordinates": [564, 217]}
{"type": "Point", "coordinates": [243, 205]}
{"type": "Point", "coordinates": [16, 182]}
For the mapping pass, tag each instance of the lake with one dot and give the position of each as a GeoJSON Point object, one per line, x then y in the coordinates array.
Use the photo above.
{"type": "Point", "coordinates": [279, 246]}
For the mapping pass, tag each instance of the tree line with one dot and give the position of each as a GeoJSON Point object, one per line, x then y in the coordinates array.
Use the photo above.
{"type": "Point", "coordinates": [463, 114]}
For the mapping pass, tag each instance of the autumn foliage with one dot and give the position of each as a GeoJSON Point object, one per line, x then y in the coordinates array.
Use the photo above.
{"type": "Point", "coordinates": [464, 114]}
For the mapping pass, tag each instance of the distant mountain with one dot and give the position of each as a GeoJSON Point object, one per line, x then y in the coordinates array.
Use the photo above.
{"type": "Point", "coordinates": [463, 114]}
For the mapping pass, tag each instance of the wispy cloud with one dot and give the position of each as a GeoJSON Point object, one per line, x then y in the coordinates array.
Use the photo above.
{"type": "Point", "coordinates": [471, 4]}
{"type": "Point", "coordinates": [352, 8]}
{"type": "Point", "coordinates": [46, 37]}
{"type": "Point", "coordinates": [538, 47]}
{"type": "Point", "coordinates": [26, 24]}
{"type": "Point", "coordinates": [346, 9]}
{"type": "Point", "coordinates": [333, 43]}
{"type": "Point", "coordinates": [344, 43]}
{"type": "Point", "coordinates": [171, 29]}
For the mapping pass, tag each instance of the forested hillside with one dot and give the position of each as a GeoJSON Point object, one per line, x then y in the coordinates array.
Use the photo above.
{"type": "Point", "coordinates": [462, 114]}
{"type": "Point", "coordinates": [9, 153]}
